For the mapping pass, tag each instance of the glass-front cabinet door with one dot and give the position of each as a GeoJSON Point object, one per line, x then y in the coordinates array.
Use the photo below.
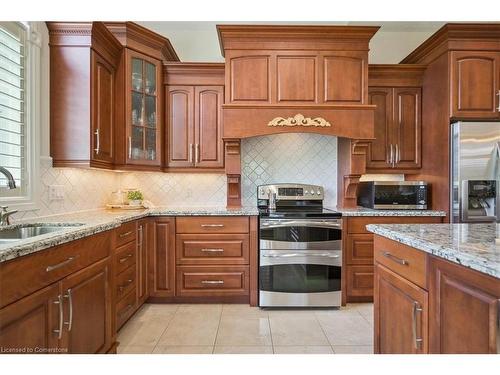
{"type": "Point", "coordinates": [144, 130]}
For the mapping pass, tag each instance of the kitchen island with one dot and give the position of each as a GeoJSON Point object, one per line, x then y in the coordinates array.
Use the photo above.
{"type": "Point", "coordinates": [437, 288]}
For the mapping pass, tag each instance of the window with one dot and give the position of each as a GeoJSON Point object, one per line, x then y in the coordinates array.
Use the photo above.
{"type": "Point", "coordinates": [18, 84]}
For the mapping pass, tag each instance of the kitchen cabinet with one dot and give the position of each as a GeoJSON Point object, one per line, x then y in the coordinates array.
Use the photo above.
{"type": "Point", "coordinates": [84, 59]}
{"type": "Point", "coordinates": [426, 304]}
{"type": "Point", "coordinates": [358, 252]}
{"type": "Point", "coordinates": [464, 309]}
{"type": "Point", "coordinates": [475, 84]}
{"type": "Point", "coordinates": [195, 94]}
{"type": "Point", "coordinates": [59, 299]}
{"type": "Point", "coordinates": [162, 258]}
{"type": "Point", "coordinates": [397, 145]}
{"type": "Point", "coordinates": [143, 233]}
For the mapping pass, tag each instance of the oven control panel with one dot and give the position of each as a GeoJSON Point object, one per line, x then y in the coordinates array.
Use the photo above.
{"type": "Point", "coordinates": [291, 192]}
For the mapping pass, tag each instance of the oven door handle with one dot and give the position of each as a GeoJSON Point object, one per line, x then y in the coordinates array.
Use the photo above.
{"type": "Point", "coordinates": [292, 255]}
{"type": "Point", "coordinates": [300, 223]}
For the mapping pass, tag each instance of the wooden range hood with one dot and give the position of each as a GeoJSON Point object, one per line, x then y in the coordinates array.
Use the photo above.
{"type": "Point", "coordinates": [282, 79]}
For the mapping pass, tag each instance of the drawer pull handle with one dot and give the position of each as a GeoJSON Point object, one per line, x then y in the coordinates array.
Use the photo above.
{"type": "Point", "coordinates": [416, 310]}
{"type": "Point", "coordinates": [59, 265]}
{"type": "Point", "coordinates": [59, 302]}
{"type": "Point", "coordinates": [121, 287]}
{"type": "Point", "coordinates": [212, 282]}
{"type": "Point", "coordinates": [396, 259]}
{"type": "Point", "coordinates": [212, 225]}
{"type": "Point", "coordinates": [212, 250]}
{"type": "Point", "coordinates": [125, 258]}
{"type": "Point", "coordinates": [125, 234]}
{"type": "Point", "coordinates": [125, 309]}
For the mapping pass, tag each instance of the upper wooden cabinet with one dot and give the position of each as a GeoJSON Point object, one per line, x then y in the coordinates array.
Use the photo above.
{"type": "Point", "coordinates": [475, 84]}
{"type": "Point", "coordinates": [84, 58]}
{"type": "Point", "coordinates": [396, 91]}
{"type": "Point", "coordinates": [194, 97]}
{"type": "Point", "coordinates": [287, 65]}
{"type": "Point", "coordinates": [472, 66]}
{"type": "Point", "coordinates": [138, 137]}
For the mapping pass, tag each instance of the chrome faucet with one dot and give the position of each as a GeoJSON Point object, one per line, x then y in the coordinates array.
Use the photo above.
{"type": "Point", "coordinates": [5, 215]}
{"type": "Point", "coordinates": [10, 178]}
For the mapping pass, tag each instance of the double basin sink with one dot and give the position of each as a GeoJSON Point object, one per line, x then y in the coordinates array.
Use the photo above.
{"type": "Point", "coordinates": [12, 235]}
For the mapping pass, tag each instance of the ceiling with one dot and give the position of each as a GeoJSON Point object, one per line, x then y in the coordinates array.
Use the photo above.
{"type": "Point", "coordinates": [197, 41]}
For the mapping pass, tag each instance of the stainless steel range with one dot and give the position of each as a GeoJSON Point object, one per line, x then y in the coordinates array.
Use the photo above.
{"type": "Point", "coordinates": [300, 247]}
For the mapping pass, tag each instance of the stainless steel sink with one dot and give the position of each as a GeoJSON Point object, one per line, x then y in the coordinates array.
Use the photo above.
{"type": "Point", "coordinates": [27, 231]}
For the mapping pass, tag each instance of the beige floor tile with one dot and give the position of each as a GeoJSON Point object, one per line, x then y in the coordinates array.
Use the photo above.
{"type": "Point", "coordinates": [201, 309]}
{"type": "Point", "coordinates": [143, 331]}
{"type": "Point", "coordinates": [248, 330]}
{"type": "Point", "coordinates": [346, 329]}
{"type": "Point", "coordinates": [323, 349]}
{"type": "Point", "coordinates": [176, 349]}
{"type": "Point", "coordinates": [135, 349]}
{"type": "Point", "coordinates": [357, 349]}
{"type": "Point", "coordinates": [291, 312]}
{"type": "Point", "coordinates": [157, 309]}
{"type": "Point", "coordinates": [191, 329]}
{"type": "Point", "coordinates": [243, 350]}
{"type": "Point", "coordinates": [237, 310]}
{"type": "Point", "coordinates": [298, 330]}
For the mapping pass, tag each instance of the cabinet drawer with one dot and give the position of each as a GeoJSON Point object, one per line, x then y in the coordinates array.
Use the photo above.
{"type": "Point", "coordinates": [212, 248]}
{"type": "Point", "coordinates": [403, 260]}
{"type": "Point", "coordinates": [125, 233]}
{"type": "Point", "coordinates": [359, 249]}
{"type": "Point", "coordinates": [358, 224]}
{"type": "Point", "coordinates": [124, 309]}
{"type": "Point", "coordinates": [22, 276]}
{"type": "Point", "coordinates": [212, 281]}
{"type": "Point", "coordinates": [212, 224]}
{"type": "Point", "coordinates": [125, 257]}
{"type": "Point", "coordinates": [125, 282]}
{"type": "Point", "coordinates": [359, 281]}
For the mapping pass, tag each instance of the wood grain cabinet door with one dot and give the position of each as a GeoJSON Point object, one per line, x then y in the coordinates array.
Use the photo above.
{"type": "Point", "coordinates": [208, 126]}
{"type": "Point", "coordinates": [465, 309]}
{"type": "Point", "coordinates": [401, 314]}
{"type": "Point", "coordinates": [181, 138]}
{"type": "Point", "coordinates": [475, 84]}
{"type": "Point", "coordinates": [407, 127]}
{"type": "Point", "coordinates": [162, 258]}
{"type": "Point", "coordinates": [103, 107]}
{"type": "Point", "coordinates": [87, 309]}
{"type": "Point", "coordinates": [32, 322]}
{"type": "Point", "coordinates": [378, 155]}
{"type": "Point", "coordinates": [143, 228]}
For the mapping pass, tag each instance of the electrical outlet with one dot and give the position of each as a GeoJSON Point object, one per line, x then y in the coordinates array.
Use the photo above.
{"type": "Point", "coordinates": [56, 192]}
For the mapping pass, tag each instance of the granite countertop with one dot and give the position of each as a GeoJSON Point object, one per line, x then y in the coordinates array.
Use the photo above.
{"type": "Point", "coordinates": [470, 245]}
{"type": "Point", "coordinates": [87, 223]}
{"type": "Point", "coordinates": [361, 211]}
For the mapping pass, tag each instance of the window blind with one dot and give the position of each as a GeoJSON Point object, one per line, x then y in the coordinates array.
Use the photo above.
{"type": "Point", "coordinates": [12, 104]}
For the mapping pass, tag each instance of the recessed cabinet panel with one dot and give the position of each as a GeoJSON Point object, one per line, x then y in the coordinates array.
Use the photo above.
{"type": "Point", "coordinates": [475, 84]}
{"type": "Point", "coordinates": [379, 149]}
{"type": "Point", "coordinates": [180, 129]}
{"type": "Point", "coordinates": [344, 79]}
{"type": "Point", "coordinates": [249, 79]}
{"type": "Point", "coordinates": [407, 127]}
{"type": "Point", "coordinates": [208, 126]}
{"type": "Point", "coordinates": [296, 78]}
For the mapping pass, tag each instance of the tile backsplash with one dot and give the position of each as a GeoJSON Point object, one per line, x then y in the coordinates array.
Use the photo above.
{"type": "Point", "coordinates": [292, 157]}
{"type": "Point", "coordinates": [302, 158]}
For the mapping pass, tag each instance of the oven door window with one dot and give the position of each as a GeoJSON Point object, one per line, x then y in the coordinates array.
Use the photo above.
{"type": "Point", "coordinates": [299, 278]}
{"type": "Point", "coordinates": [300, 234]}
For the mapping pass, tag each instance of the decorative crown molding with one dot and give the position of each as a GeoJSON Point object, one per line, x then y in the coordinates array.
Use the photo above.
{"type": "Point", "coordinates": [299, 120]}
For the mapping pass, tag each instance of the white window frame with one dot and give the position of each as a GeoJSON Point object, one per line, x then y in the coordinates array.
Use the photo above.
{"type": "Point", "coordinates": [29, 200]}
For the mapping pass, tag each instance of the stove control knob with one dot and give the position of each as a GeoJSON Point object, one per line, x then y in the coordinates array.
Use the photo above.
{"type": "Point", "coordinates": [312, 192]}
{"type": "Point", "coordinates": [319, 192]}
{"type": "Point", "coordinates": [306, 192]}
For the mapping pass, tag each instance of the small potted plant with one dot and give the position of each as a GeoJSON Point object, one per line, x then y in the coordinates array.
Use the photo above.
{"type": "Point", "coordinates": [135, 197]}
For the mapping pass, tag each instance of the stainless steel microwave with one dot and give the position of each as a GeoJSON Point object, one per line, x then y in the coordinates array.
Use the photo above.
{"type": "Point", "coordinates": [393, 195]}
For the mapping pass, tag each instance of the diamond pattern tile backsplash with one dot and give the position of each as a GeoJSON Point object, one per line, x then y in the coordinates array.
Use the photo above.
{"type": "Point", "coordinates": [302, 158]}
{"type": "Point", "coordinates": [293, 157]}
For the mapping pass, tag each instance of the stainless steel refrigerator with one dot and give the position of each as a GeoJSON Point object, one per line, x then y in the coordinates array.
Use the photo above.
{"type": "Point", "coordinates": [475, 172]}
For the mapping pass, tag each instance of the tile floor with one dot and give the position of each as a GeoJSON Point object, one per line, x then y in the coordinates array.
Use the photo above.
{"type": "Point", "coordinates": [241, 329]}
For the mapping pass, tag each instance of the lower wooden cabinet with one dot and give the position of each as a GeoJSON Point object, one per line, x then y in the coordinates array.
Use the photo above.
{"type": "Point", "coordinates": [401, 314]}
{"type": "Point", "coordinates": [143, 241]}
{"type": "Point", "coordinates": [210, 281]}
{"type": "Point", "coordinates": [162, 258]}
{"type": "Point", "coordinates": [360, 281]}
{"type": "Point", "coordinates": [465, 310]}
